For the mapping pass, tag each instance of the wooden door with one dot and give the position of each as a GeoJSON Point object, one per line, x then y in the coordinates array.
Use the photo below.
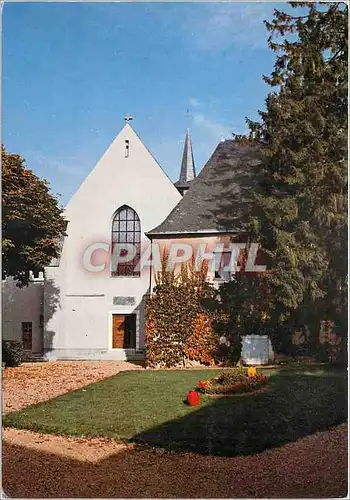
{"type": "Point", "coordinates": [124, 331]}
{"type": "Point", "coordinates": [118, 333]}
{"type": "Point", "coordinates": [130, 331]}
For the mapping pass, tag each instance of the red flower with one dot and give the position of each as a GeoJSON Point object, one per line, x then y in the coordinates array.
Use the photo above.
{"type": "Point", "coordinates": [202, 384]}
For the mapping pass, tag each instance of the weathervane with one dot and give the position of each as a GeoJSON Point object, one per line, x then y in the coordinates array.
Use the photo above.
{"type": "Point", "coordinates": [128, 117]}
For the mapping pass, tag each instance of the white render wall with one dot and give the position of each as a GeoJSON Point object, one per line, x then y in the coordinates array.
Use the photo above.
{"type": "Point", "coordinates": [257, 350]}
{"type": "Point", "coordinates": [22, 305]}
{"type": "Point", "coordinates": [78, 321]}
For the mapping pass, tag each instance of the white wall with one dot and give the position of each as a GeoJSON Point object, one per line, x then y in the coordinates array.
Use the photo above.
{"type": "Point", "coordinates": [256, 350]}
{"type": "Point", "coordinates": [22, 305]}
{"type": "Point", "coordinates": [78, 324]}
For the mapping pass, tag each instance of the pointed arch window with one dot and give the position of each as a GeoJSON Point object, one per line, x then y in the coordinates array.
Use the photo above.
{"type": "Point", "coordinates": [126, 228]}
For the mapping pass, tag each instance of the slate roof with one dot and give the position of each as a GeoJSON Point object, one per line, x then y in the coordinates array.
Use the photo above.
{"type": "Point", "coordinates": [220, 197]}
{"type": "Point", "coordinates": [182, 184]}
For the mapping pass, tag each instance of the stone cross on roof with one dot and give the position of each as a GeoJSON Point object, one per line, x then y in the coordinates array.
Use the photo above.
{"type": "Point", "coordinates": [128, 117]}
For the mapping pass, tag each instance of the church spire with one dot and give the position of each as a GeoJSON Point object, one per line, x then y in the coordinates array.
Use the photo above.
{"type": "Point", "coordinates": [188, 170]}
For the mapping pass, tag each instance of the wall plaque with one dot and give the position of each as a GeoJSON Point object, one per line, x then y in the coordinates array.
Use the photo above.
{"type": "Point", "coordinates": [123, 301]}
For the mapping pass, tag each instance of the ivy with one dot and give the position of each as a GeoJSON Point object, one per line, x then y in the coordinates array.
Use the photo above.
{"type": "Point", "coordinates": [179, 327]}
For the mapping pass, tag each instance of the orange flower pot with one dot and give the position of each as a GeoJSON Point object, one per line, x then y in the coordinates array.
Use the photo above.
{"type": "Point", "coordinates": [193, 398]}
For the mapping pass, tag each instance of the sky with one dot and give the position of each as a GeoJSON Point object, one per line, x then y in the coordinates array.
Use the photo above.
{"type": "Point", "coordinates": [71, 71]}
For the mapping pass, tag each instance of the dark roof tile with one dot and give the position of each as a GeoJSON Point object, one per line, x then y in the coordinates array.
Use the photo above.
{"type": "Point", "coordinates": [220, 198]}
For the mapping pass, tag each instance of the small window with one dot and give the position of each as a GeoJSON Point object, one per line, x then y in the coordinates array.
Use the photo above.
{"type": "Point", "coordinates": [27, 331]}
{"type": "Point", "coordinates": [127, 148]}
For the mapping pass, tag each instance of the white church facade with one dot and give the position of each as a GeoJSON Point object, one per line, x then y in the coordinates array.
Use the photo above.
{"type": "Point", "coordinates": [81, 308]}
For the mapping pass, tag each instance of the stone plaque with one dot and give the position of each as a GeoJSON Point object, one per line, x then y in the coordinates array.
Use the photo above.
{"type": "Point", "coordinates": [123, 301]}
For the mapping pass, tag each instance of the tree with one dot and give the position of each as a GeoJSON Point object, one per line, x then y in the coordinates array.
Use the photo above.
{"type": "Point", "coordinates": [300, 216]}
{"type": "Point", "coordinates": [32, 221]}
{"type": "Point", "coordinates": [303, 206]}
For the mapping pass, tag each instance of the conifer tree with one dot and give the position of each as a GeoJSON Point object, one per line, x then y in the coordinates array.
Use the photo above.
{"type": "Point", "coordinates": [303, 204]}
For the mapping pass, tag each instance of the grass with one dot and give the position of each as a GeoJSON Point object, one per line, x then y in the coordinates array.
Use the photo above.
{"type": "Point", "coordinates": [148, 407]}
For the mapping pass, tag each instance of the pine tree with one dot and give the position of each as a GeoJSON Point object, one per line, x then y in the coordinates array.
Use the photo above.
{"type": "Point", "coordinates": [303, 203]}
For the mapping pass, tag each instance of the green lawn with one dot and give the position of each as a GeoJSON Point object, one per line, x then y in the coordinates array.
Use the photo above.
{"type": "Point", "coordinates": [149, 407]}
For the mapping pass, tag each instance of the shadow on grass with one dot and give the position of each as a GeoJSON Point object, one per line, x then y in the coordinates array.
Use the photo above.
{"type": "Point", "coordinates": [300, 471]}
{"type": "Point", "coordinates": [295, 405]}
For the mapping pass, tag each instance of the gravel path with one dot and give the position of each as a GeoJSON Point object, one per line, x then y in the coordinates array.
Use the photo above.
{"type": "Point", "coordinates": [32, 383]}
{"type": "Point", "coordinates": [41, 466]}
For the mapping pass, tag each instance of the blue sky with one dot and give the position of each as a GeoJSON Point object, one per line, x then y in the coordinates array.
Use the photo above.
{"type": "Point", "coordinates": [72, 70]}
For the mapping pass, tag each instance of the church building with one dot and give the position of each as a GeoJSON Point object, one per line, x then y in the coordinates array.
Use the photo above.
{"type": "Point", "coordinates": [86, 305]}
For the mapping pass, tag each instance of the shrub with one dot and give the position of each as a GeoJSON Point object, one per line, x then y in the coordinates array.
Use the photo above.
{"type": "Point", "coordinates": [203, 343]}
{"type": "Point", "coordinates": [178, 327]}
{"type": "Point", "coordinates": [236, 348]}
{"type": "Point", "coordinates": [244, 300]}
{"type": "Point", "coordinates": [233, 381]}
{"type": "Point", "coordinates": [12, 352]}
{"type": "Point", "coordinates": [231, 376]}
